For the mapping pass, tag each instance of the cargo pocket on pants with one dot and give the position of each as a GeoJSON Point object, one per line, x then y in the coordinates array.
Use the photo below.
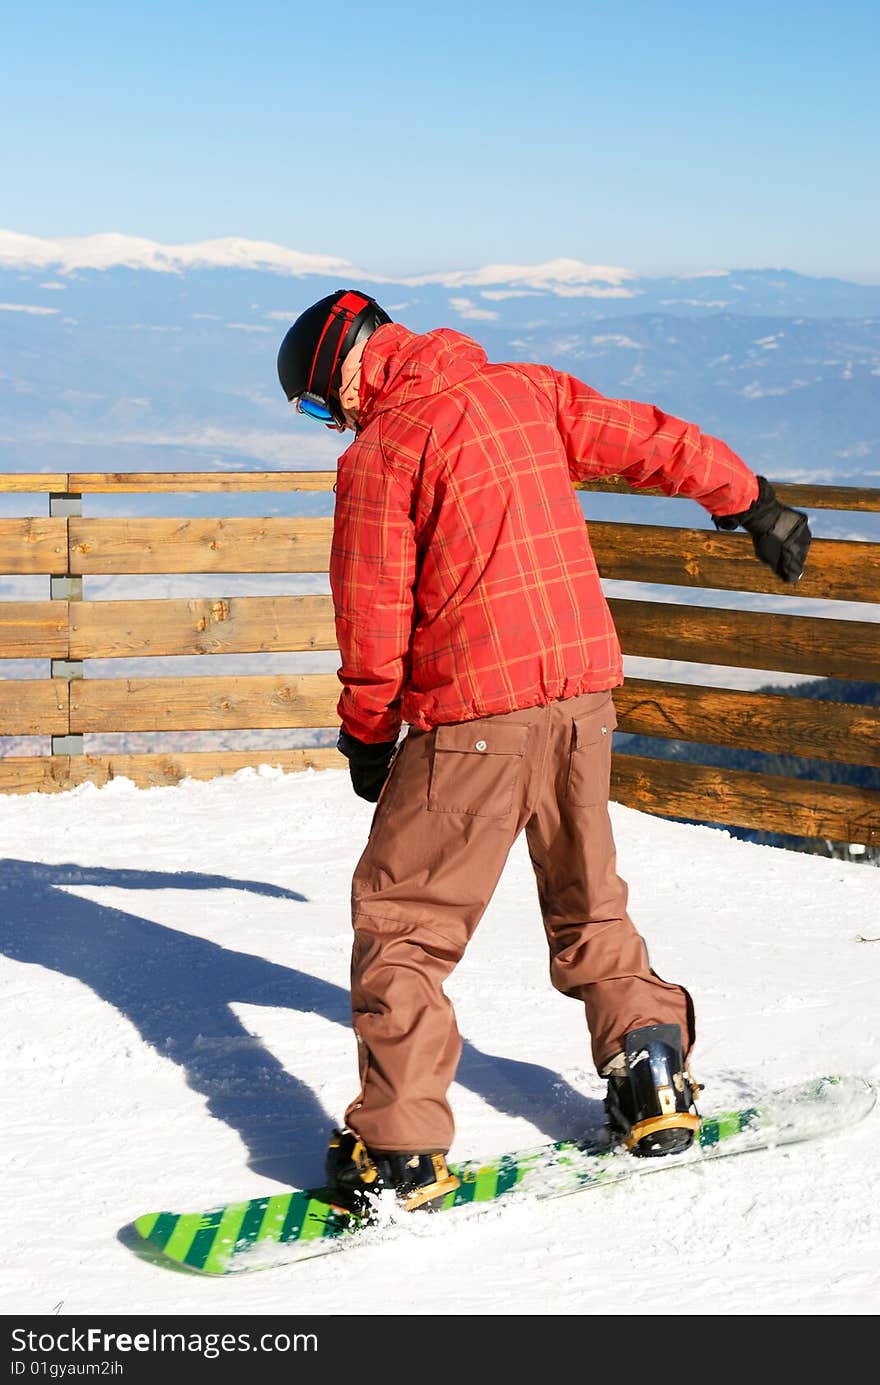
{"type": "Point", "coordinates": [476, 767]}
{"type": "Point", "coordinates": [589, 768]}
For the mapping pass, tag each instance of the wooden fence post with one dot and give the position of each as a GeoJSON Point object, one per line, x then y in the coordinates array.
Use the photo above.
{"type": "Point", "coordinates": [65, 586]}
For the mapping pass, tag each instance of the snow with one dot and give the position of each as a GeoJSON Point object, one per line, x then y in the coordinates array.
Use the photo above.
{"type": "Point", "coordinates": [174, 970]}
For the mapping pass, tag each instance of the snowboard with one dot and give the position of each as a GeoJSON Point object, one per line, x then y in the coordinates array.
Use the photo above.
{"type": "Point", "coordinates": [286, 1227]}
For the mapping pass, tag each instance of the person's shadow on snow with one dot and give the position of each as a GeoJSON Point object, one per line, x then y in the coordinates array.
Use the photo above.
{"type": "Point", "coordinates": [178, 991]}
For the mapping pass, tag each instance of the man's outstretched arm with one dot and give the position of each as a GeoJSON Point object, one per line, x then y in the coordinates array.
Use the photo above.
{"type": "Point", "coordinates": [653, 449]}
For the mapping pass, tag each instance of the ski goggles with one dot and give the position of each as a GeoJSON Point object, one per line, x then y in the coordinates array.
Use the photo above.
{"type": "Point", "coordinates": [314, 406]}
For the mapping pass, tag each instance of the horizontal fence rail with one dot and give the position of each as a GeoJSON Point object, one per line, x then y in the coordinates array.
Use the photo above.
{"type": "Point", "coordinates": [69, 632]}
{"type": "Point", "coordinates": [34, 629]}
{"type": "Point", "coordinates": [773, 723]}
{"type": "Point", "coordinates": [816, 645]}
{"type": "Point", "coordinates": [158, 482]}
{"type": "Point", "coordinates": [112, 546]}
{"type": "Point", "coordinates": [34, 708]}
{"type": "Point", "coordinates": [770, 722]}
{"type": "Point", "coordinates": [33, 546]}
{"type": "Point", "coordinates": [796, 807]}
{"type": "Point", "coordinates": [256, 701]}
{"type": "Point", "coordinates": [223, 625]}
{"type": "Point", "coordinates": [54, 773]}
{"type": "Point", "coordinates": [838, 569]}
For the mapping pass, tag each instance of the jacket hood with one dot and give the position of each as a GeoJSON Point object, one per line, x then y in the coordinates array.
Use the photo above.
{"type": "Point", "coordinates": [400, 366]}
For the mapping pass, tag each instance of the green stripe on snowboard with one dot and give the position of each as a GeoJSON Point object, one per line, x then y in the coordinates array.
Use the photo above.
{"type": "Point", "coordinates": [181, 1238]}
{"type": "Point", "coordinates": [275, 1219]}
{"type": "Point", "coordinates": [508, 1175]}
{"type": "Point", "coordinates": [215, 1242]}
{"type": "Point", "coordinates": [239, 1227]}
{"type": "Point", "coordinates": [318, 1220]}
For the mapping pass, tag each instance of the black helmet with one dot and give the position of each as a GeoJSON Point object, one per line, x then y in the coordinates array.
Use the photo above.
{"type": "Point", "coordinates": [311, 354]}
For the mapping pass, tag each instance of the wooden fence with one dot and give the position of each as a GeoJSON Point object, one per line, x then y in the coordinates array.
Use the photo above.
{"type": "Point", "coordinates": [68, 630]}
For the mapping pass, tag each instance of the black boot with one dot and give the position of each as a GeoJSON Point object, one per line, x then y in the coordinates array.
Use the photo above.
{"type": "Point", "coordinates": [355, 1173]}
{"type": "Point", "coordinates": [651, 1097]}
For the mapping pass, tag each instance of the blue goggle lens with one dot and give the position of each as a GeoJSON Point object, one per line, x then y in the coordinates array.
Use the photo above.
{"type": "Point", "coordinates": [315, 408]}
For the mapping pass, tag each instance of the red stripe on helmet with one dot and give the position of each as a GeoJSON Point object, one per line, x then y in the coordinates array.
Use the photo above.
{"type": "Point", "coordinates": [343, 312]}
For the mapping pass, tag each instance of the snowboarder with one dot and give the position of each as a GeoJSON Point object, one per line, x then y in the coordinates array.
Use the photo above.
{"type": "Point", "coordinates": [468, 606]}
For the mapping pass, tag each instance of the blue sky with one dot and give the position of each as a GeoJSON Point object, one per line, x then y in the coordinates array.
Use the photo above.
{"type": "Point", "coordinates": [663, 137]}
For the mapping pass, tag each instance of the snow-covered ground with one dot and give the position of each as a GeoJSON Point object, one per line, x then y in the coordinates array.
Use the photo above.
{"type": "Point", "coordinates": [174, 969]}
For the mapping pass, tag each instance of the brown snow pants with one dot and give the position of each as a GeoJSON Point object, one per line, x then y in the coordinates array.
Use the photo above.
{"type": "Point", "coordinates": [454, 802]}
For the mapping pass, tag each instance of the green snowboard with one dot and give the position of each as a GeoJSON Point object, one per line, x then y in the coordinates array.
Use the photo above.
{"type": "Point", "coordinates": [285, 1227]}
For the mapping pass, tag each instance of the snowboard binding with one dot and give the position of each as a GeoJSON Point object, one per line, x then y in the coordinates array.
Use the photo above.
{"type": "Point", "coordinates": [651, 1099]}
{"type": "Point", "coordinates": [356, 1175]}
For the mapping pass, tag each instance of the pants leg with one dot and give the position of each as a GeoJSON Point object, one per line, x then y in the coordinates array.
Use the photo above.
{"type": "Point", "coordinates": [440, 837]}
{"type": "Point", "coordinates": [596, 954]}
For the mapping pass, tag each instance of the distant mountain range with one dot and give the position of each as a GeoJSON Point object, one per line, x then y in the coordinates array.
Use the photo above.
{"type": "Point", "coordinates": [118, 353]}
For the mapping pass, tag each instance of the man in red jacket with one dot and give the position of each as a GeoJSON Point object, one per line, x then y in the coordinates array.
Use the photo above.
{"type": "Point", "coordinates": [468, 606]}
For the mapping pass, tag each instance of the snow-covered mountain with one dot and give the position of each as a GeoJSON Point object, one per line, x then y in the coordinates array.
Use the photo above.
{"type": "Point", "coordinates": [118, 352]}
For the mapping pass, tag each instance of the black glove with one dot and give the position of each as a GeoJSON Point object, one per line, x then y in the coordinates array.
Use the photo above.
{"type": "Point", "coordinates": [781, 536]}
{"type": "Point", "coordinates": [368, 765]}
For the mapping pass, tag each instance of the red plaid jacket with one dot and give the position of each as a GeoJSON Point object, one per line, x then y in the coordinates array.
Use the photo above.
{"type": "Point", "coordinates": [461, 570]}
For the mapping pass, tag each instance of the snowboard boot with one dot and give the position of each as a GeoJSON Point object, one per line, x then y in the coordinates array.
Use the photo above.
{"type": "Point", "coordinates": [651, 1097]}
{"type": "Point", "coordinates": [355, 1174]}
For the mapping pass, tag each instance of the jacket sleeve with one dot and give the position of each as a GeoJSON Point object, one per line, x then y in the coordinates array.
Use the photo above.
{"type": "Point", "coordinates": [614, 437]}
{"type": "Point", "coordinates": [372, 578]}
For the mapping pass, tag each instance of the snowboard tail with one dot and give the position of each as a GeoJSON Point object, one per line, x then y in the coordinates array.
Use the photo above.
{"type": "Point", "coordinates": [285, 1227]}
